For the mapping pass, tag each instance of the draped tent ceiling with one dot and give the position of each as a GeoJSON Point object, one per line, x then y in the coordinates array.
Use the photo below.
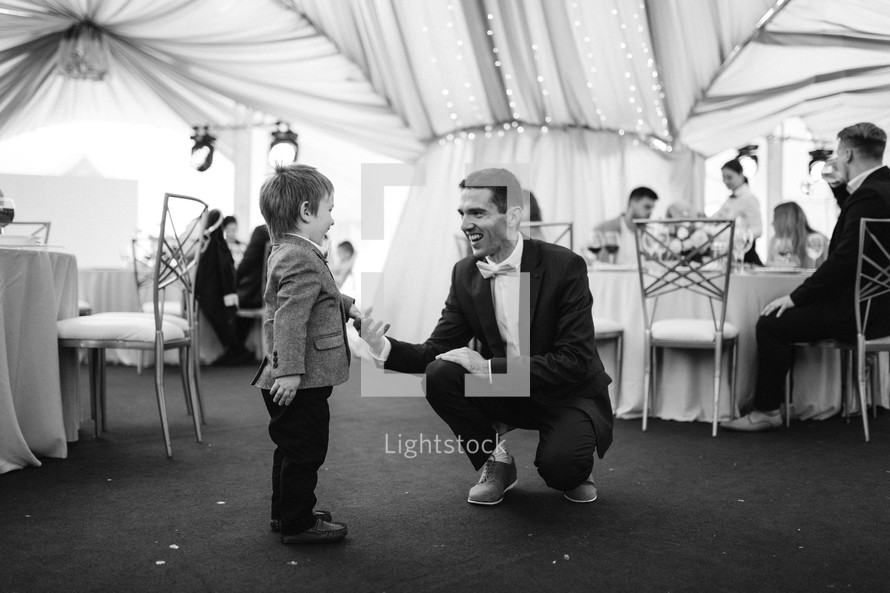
{"type": "Point", "coordinates": [595, 96]}
{"type": "Point", "coordinates": [377, 71]}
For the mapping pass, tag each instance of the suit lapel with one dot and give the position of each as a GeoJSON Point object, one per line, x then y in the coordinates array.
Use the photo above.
{"type": "Point", "coordinates": [531, 263]}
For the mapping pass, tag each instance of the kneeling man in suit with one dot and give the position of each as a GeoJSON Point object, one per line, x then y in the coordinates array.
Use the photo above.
{"type": "Point", "coordinates": [565, 395]}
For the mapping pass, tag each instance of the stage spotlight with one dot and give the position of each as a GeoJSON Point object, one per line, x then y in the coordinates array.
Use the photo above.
{"type": "Point", "coordinates": [202, 151]}
{"type": "Point", "coordinates": [284, 148]}
{"type": "Point", "coordinates": [817, 162]}
{"type": "Point", "coordinates": [747, 157]}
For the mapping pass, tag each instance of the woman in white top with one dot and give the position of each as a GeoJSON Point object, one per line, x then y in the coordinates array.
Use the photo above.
{"type": "Point", "coordinates": [741, 206]}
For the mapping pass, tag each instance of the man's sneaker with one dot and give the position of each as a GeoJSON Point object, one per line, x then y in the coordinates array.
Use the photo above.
{"type": "Point", "coordinates": [585, 492]}
{"type": "Point", "coordinates": [497, 477]}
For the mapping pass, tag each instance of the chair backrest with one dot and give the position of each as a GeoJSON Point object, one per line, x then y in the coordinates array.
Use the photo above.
{"type": "Point", "coordinates": [35, 230]}
{"type": "Point", "coordinates": [144, 251]}
{"type": "Point", "coordinates": [562, 233]}
{"type": "Point", "coordinates": [692, 255]}
{"type": "Point", "coordinates": [180, 241]}
{"type": "Point", "coordinates": [872, 272]}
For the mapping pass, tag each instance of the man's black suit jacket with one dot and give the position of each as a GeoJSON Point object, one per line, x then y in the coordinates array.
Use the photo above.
{"type": "Point", "coordinates": [251, 268]}
{"type": "Point", "coordinates": [562, 361]}
{"type": "Point", "coordinates": [833, 283]}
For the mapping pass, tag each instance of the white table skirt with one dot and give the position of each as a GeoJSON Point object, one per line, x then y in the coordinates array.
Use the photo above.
{"type": "Point", "coordinates": [38, 405]}
{"type": "Point", "coordinates": [685, 384]}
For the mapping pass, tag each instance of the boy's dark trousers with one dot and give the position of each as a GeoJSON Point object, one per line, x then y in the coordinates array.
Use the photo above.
{"type": "Point", "coordinates": [300, 431]}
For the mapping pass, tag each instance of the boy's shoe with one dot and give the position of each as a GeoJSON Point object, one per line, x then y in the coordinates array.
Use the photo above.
{"type": "Point", "coordinates": [497, 477]}
{"type": "Point", "coordinates": [275, 524]}
{"type": "Point", "coordinates": [323, 532]}
{"type": "Point", "coordinates": [584, 492]}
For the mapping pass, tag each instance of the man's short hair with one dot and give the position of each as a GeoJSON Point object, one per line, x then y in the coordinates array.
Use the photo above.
{"type": "Point", "coordinates": [865, 138]}
{"type": "Point", "coordinates": [505, 188]}
{"type": "Point", "coordinates": [347, 245]}
{"type": "Point", "coordinates": [229, 220]}
{"type": "Point", "coordinates": [641, 192]}
{"type": "Point", "coordinates": [284, 192]}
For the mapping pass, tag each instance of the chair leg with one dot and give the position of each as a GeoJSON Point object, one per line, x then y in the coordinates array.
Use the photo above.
{"type": "Point", "coordinates": [647, 371]}
{"type": "Point", "coordinates": [184, 375]}
{"type": "Point", "coordinates": [159, 391]}
{"type": "Point", "coordinates": [846, 371]}
{"type": "Point", "coordinates": [734, 371]}
{"type": "Point", "coordinates": [140, 362]}
{"type": "Point", "coordinates": [619, 360]}
{"type": "Point", "coordinates": [95, 407]}
{"type": "Point", "coordinates": [718, 374]}
{"type": "Point", "coordinates": [195, 396]}
{"type": "Point", "coordinates": [103, 388]}
{"type": "Point", "coordinates": [860, 383]}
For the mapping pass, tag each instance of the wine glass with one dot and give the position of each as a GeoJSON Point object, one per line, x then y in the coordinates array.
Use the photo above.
{"type": "Point", "coordinates": [830, 173]}
{"type": "Point", "coordinates": [7, 211]}
{"type": "Point", "coordinates": [741, 243]}
{"type": "Point", "coordinates": [611, 239]}
{"type": "Point", "coordinates": [595, 245]}
{"type": "Point", "coordinates": [815, 248]}
{"type": "Point", "coordinates": [785, 252]}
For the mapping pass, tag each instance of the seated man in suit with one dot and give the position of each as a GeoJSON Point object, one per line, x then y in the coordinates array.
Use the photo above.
{"type": "Point", "coordinates": [640, 204]}
{"type": "Point", "coordinates": [569, 400]}
{"type": "Point", "coordinates": [822, 306]}
{"type": "Point", "coordinates": [249, 273]}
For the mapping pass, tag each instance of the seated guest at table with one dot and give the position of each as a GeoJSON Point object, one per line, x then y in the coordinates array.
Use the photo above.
{"type": "Point", "coordinates": [618, 233]}
{"type": "Point", "coordinates": [230, 231]}
{"type": "Point", "coordinates": [569, 400]}
{"type": "Point", "coordinates": [822, 306]}
{"type": "Point", "coordinates": [249, 273]}
{"type": "Point", "coordinates": [215, 293]}
{"type": "Point", "coordinates": [741, 206]}
{"type": "Point", "coordinates": [795, 243]}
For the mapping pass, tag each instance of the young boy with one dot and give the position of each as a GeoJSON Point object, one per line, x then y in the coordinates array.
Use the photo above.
{"type": "Point", "coordinates": [304, 335]}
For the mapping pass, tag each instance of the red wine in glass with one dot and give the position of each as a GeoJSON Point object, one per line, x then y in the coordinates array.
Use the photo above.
{"type": "Point", "coordinates": [7, 211]}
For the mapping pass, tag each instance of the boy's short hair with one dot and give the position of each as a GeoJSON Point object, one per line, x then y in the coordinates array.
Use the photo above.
{"type": "Point", "coordinates": [638, 193]}
{"type": "Point", "coordinates": [284, 192]}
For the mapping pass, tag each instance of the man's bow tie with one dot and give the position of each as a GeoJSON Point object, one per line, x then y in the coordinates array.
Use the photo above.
{"type": "Point", "coordinates": [488, 270]}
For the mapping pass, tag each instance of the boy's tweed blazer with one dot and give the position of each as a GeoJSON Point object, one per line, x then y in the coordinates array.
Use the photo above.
{"type": "Point", "coordinates": [305, 316]}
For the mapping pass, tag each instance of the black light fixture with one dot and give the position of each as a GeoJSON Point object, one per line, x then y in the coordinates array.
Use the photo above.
{"type": "Point", "coordinates": [747, 157]}
{"type": "Point", "coordinates": [284, 148]}
{"type": "Point", "coordinates": [202, 151]}
{"type": "Point", "coordinates": [817, 162]}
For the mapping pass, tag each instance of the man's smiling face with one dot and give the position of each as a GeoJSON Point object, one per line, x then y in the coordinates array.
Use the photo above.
{"type": "Point", "coordinates": [484, 226]}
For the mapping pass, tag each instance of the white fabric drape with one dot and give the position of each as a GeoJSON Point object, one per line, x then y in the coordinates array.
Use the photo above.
{"type": "Point", "coordinates": [577, 175]}
{"type": "Point", "coordinates": [189, 62]}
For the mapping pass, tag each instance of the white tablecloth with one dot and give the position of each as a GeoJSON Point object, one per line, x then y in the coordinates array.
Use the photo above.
{"type": "Point", "coordinates": [685, 385]}
{"type": "Point", "coordinates": [38, 396]}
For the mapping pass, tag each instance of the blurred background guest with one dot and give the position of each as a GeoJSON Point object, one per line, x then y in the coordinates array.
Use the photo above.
{"type": "Point", "coordinates": [342, 267]}
{"type": "Point", "coordinates": [250, 271]}
{"type": "Point", "coordinates": [613, 240]}
{"type": "Point", "coordinates": [742, 206]}
{"type": "Point", "coordinates": [795, 243]}
{"type": "Point", "coordinates": [216, 294]}
{"type": "Point", "coordinates": [531, 212]}
{"type": "Point", "coordinates": [230, 231]}
{"type": "Point", "coordinates": [681, 209]}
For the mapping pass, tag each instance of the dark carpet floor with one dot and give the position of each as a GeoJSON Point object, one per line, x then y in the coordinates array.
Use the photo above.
{"type": "Point", "coordinates": [802, 509]}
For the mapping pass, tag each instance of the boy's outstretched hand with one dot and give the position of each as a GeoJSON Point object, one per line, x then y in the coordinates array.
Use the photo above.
{"type": "Point", "coordinates": [371, 331]}
{"type": "Point", "coordinates": [284, 390]}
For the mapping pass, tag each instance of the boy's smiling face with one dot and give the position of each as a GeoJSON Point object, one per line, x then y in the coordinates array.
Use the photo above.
{"type": "Point", "coordinates": [315, 226]}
